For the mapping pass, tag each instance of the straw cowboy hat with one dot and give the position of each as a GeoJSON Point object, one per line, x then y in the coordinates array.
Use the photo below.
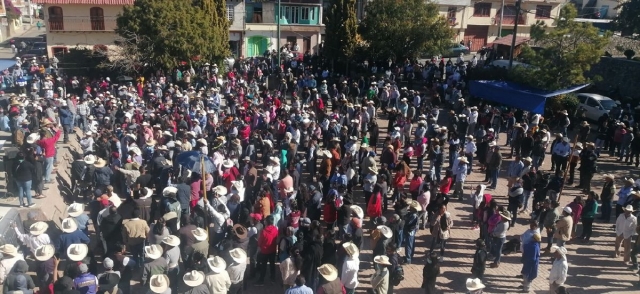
{"type": "Point", "coordinates": [136, 150]}
{"type": "Point", "coordinates": [372, 170]}
{"type": "Point", "coordinates": [153, 251]}
{"type": "Point", "coordinates": [75, 209]}
{"type": "Point", "coordinates": [89, 159]}
{"type": "Point", "coordinates": [151, 142]}
{"type": "Point", "coordinates": [170, 215]}
{"type": "Point", "coordinates": [463, 159]}
{"type": "Point", "coordinates": [274, 160]}
{"type": "Point", "coordinates": [77, 252]}
{"type": "Point", "coordinates": [9, 249]}
{"type": "Point", "coordinates": [171, 240]}
{"type": "Point", "coordinates": [193, 278]}
{"type": "Point", "coordinates": [240, 231]}
{"type": "Point", "coordinates": [159, 283]}
{"type": "Point", "coordinates": [227, 163]}
{"type": "Point", "coordinates": [200, 234]}
{"type": "Point", "coordinates": [69, 225]}
{"type": "Point", "coordinates": [38, 228]}
{"type": "Point", "coordinates": [629, 180]}
{"type": "Point", "coordinates": [32, 138]}
{"type": "Point", "coordinates": [327, 154]}
{"type": "Point", "coordinates": [238, 255]}
{"type": "Point", "coordinates": [328, 271]}
{"type": "Point", "coordinates": [202, 141]}
{"type": "Point", "coordinates": [628, 208]}
{"type": "Point", "coordinates": [166, 192]}
{"type": "Point", "coordinates": [474, 284]}
{"type": "Point", "coordinates": [216, 264]}
{"type": "Point", "coordinates": [506, 215]}
{"type": "Point", "coordinates": [382, 259]}
{"type": "Point", "coordinates": [357, 210]}
{"type": "Point", "coordinates": [385, 231]}
{"type": "Point", "coordinates": [609, 176]}
{"type": "Point", "coordinates": [415, 205]}
{"type": "Point", "coordinates": [351, 249]}
{"type": "Point", "coordinates": [220, 190]}
{"type": "Point", "coordinates": [44, 252]}
{"type": "Point", "coordinates": [100, 163]}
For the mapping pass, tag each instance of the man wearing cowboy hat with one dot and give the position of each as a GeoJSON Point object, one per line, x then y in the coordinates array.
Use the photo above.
{"type": "Point", "coordinates": [155, 263]}
{"type": "Point", "coordinates": [623, 195]}
{"type": "Point", "coordinates": [237, 269]}
{"type": "Point", "coordinates": [626, 224]}
{"type": "Point", "coordinates": [37, 235]}
{"type": "Point", "coordinates": [70, 235]}
{"type": "Point", "coordinates": [218, 281]}
{"type": "Point", "coordinates": [559, 269]}
{"type": "Point", "coordinates": [10, 256]}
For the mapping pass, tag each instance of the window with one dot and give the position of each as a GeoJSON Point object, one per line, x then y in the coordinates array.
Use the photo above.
{"type": "Point", "coordinates": [543, 11]}
{"type": "Point", "coordinates": [292, 14]}
{"type": "Point", "coordinates": [230, 12]}
{"type": "Point", "coordinates": [451, 13]}
{"type": "Point", "coordinates": [482, 9]}
{"type": "Point", "coordinates": [97, 19]}
{"type": "Point", "coordinates": [304, 13]}
{"type": "Point", "coordinates": [56, 19]}
{"type": "Point", "coordinates": [593, 103]}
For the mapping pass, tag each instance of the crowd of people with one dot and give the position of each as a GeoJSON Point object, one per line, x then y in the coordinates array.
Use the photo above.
{"type": "Point", "coordinates": [294, 181]}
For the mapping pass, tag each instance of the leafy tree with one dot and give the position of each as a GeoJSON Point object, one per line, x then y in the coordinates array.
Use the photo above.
{"type": "Point", "coordinates": [568, 52]}
{"type": "Point", "coordinates": [169, 32]}
{"type": "Point", "coordinates": [404, 28]}
{"type": "Point", "coordinates": [627, 20]}
{"type": "Point", "coordinates": [342, 30]}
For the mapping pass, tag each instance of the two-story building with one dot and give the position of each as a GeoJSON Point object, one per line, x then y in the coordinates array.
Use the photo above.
{"type": "Point", "coordinates": [479, 22]}
{"type": "Point", "coordinates": [300, 24]}
{"type": "Point", "coordinates": [235, 15]}
{"type": "Point", "coordinates": [81, 23]}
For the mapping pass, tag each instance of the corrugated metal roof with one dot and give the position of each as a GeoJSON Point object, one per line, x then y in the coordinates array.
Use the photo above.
{"type": "Point", "coordinates": [506, 40]}
{"type": "Point", "coordinates": [86, 2]}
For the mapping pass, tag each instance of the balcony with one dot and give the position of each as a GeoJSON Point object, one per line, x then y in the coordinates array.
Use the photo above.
{"type": "Point", "coordinates": [81, 24]}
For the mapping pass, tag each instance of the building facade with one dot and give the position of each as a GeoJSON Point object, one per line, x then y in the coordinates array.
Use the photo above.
{"type": "Point", "coordinates": [81, 23]}
{"type": "Point", "coordinates": [479, 22]}
{"type": "Point", "coordinates": [300, 24]}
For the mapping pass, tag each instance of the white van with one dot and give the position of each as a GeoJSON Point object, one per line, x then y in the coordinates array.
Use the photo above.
{"type": "Point", "coordinates": [595, 105]}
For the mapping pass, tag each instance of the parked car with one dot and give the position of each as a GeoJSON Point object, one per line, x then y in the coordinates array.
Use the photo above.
{"type": "Point", "coordinates": [39, 45]}
{"type": "Point", "coordinates": [595, 105]}
{"type": "Point", "coordinates": [33, 53]}
{"type": "Point", "coordinates": [504, 63]}
{"type": "Point", "coordinates": [455, 50]}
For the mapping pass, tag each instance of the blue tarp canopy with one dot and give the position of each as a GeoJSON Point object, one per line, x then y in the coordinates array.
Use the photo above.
{"type": "Point", "coordinates": [516, 95]}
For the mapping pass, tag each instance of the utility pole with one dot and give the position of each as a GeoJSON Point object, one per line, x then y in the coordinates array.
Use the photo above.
{"type": "Point", "coordinates": [278, 33]}
{"type": "Point", "coordinates": [500, 24]}
{"type": "Point", "coordinates": [515, 33]}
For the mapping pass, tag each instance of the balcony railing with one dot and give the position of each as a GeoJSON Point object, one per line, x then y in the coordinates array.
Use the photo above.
{"type": "Point", "coordinates": [81, 24]}
{"type": "Point", "coordinates": [509, 20]}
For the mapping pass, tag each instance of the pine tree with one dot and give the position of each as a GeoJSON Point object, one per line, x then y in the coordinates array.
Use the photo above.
{"type": "Point", "coordinates": [341, 28]}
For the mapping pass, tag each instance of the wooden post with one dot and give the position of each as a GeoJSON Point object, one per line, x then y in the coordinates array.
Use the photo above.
{"type": "Point", "coordinates": [566, 170]}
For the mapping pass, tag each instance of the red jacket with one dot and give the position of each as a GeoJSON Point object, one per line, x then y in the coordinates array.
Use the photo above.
{"type": "Point", "coordinates": [268, 240]}
{"type": "Point", "coordinates": [49, 144]}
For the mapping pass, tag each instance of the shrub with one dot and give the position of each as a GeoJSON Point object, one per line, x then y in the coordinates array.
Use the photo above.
{"type": "Point", "coordinates": [567, 102]}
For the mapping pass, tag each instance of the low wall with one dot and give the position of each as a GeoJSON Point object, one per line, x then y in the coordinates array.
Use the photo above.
{"type": "Point", "coordinates": [617, 73]}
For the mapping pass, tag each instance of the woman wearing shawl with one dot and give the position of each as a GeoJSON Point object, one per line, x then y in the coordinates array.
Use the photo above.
{"type": "Point", "coordinates": [530, 261]}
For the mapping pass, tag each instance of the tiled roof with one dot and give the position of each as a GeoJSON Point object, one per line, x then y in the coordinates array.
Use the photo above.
{"type": "Point", "coordinates": [86, 2]}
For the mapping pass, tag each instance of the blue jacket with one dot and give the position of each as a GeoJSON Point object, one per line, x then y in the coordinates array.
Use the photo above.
{"type": "Point", "coordinates": [66, 117]}
{"type": "Point", "coordinates": [530, 260]}
{"type": "Point", "coordinates": [66, 239]}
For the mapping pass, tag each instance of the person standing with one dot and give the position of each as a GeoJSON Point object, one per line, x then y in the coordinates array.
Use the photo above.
{"type": "Point", "coordinates": [134, 233]}
{"type": "Point", "coordinates": [493, 166]}
{"type": "Point", "coordinates": [268, 245]}
{"type": "Point", "coordinates": [430, 273]}
{"type": "Point", "coordinates": [218, 281]}
{"type": "Point", "coordinates": [625, 228]}
{"type": "Point", "coordinates": [530, 261]}
{"type": "Point", "coordinates": [300, 287]}
{"type": "Point", "coordinates": [329, 282]}
{"type": "Point", "coordinates": [559, 269]}
{"type": "Point", "coordinates": [479, 260]}
{"type": "Point", "coordinates": [236, 270]}
{"type": "Point", "coordinates": [380, 279]}
{"type": "Point", "coordinates": [23, 174]}
{"type": "Point", "coordinates": [588, 215]}
{"type": "Point", "coordinates": [410, 230]}
{"type": "Point", "coordinates": [49, 147]}
{"type": "Point", "coordinates": [350, 267]}
{"type": "Point", "coordinates": [440, 229]}
{"type": "Point", "coordinates": [623, 195]}
{"type": "Point", "coordinates": [608, 190]}
{"type": "Point", "coordinates": [561, 152]}
{"type": "Point", "coordinates": [564, 226]}
{"type": "Point", "coordinates": [549, 222]}
{"type": "Point", "coordinates": [498, 237]}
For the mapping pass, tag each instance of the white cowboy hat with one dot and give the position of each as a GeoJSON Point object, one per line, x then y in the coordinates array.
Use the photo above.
{"type": "Point", "coordinates": [100, 163]}
{"type": "Point", "coordinates": [506, 215]}
{"type": "Point", "coordinates": [238, 255]}
{"type": "Point", "coordinates": [200, 234]}
{"type": "Point", "coordinates": [385, 231]}
{"type": "Point", "coordinates": [171, 240]}
{"type": "Point", "coordinates": [115, 200]}
{"type": "Point", "coordinates": [159, 283]}
{"type": "Point", "coordinates": [153, 251]}
{"type": "Point", "coordinates": [8, 249]}
{"type": "Point", "coordinates": [628, 208]}
{"type": "Point", "coordinates": [415, 205]}
{"type": "Point", "coordinates": [328, 271]}
{"type": "Point", "coordinates": [89, 159]}
{"type": "Point", "coordinates": [202, 141]}
{"type": "Point", "coordinates": [77, 252]}
{"type": "Point", "coordinates": [372, 170]}
{"type": "Point", "coordinates": [193, 278]}
{"type": "Point", "coordinates": [220, 190]}
{"type": "Point", "coordinates": [463, 159]}
{"type": "Point", "coordinates": [169, 215]}
{"type": "Point", "coordinates": [238, 185]}
{"type": "Point", "coordinates": [75, 209]}
{"type": "Point", "coordinates": [69, 225]}
{"type": "Point", "coordinates": [32, 138]}
{"type": "Point", "coordinates": [382, 259]}
{"type": "Point", "coordinates": [351, 249]}
{"type": "Point", "coordinates": [166, 192]}
{"type": "Point", "coordinates": [357, 210]}
{"type": "Point", "coordinates": [44, 252]}
{"type": "Point", "coordinates": [474, 284]}
{"type": "Point", "coordinates": [38, 228]}
{"type": "Point", "coordinates": [227, 163]}
{"type": "Point", "coordinates": [136, 150]}
{"type": "Point", "coordinates": [216, 264]}
{"type": "Point", "coordinates": [327, 154]}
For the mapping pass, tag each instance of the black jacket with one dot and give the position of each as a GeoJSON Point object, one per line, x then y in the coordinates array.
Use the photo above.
{"type": "Point", "coordinates": [24, 171]}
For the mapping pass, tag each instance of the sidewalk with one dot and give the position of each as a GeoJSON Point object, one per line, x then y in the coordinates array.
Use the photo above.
{"type": "Point", "coordinates": [27, 35]}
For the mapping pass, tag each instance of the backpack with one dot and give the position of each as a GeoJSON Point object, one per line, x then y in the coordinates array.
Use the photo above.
{"type": "Point", "coordinates": [397, 275]}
